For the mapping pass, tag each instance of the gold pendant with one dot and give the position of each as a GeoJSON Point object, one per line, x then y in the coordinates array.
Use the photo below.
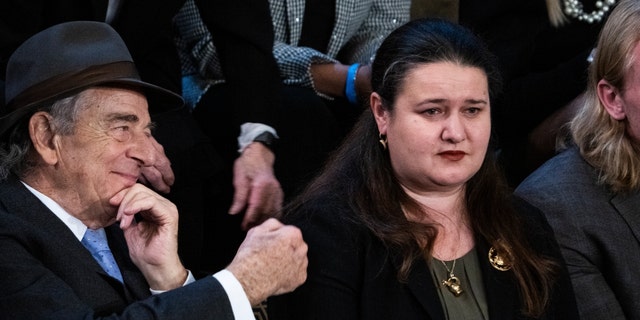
{"type": "Point", "coordinates": [453, 284]}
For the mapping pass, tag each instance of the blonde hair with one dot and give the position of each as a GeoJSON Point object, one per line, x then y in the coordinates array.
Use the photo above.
{"type": "Point", "coordinates": [602, 140]}
{"type": "Point", "coordinates": [555, 12]}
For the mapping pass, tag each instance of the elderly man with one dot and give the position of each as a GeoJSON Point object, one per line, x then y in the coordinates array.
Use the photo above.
{"type": "Point", "coordinates": [74, 139]}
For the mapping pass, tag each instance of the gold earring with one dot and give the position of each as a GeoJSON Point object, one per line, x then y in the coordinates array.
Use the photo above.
{"type": "Point", "coordinates": [383, 140]}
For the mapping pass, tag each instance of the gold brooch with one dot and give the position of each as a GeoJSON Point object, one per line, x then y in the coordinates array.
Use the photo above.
{"type": "Point", "coordinates": [497, 261]}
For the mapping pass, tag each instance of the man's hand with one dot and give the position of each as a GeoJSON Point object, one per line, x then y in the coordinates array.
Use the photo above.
{"type": "Point", "coordinates": [256, 187]}
{"type": "Point", "coordinates": [153, 239]}
{"type": "Point", "coordinates": [271, 260]}
{"type": "Point", "coordinates": [159, 176]}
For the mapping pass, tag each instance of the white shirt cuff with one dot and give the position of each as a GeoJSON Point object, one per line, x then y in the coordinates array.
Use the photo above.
{"type": "Point", "coordinates": [237, 297]}
{"type": "Point", "coordinates": [249, 131]}
{"type": "Point", "coordinates": [190, 279]}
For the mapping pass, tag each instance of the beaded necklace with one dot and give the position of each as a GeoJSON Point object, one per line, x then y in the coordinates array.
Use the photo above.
{"type": "Point", "coordinates": [575, 9]}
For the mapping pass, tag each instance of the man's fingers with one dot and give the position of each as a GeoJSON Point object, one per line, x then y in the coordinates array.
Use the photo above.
{"type": "Point", "coordinates": [156, 179]}
{"type": "Point", "coordinates": [265, 201]}
{"type": "Point", "coordinates": [159, 175]}
{"type": "Point", "coordinates": [240, 195]}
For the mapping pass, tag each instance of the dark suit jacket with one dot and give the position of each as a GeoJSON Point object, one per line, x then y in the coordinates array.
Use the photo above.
{"type": "Point", "coordinates": [598, 232]}
{"type": "Point", "coordinates": [47, 273]}
{"type": "Point", "coordinates": [351, 275]}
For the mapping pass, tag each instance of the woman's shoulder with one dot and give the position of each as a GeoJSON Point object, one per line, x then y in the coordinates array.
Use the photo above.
{"type": "Point", "coordinates": [324, 211]}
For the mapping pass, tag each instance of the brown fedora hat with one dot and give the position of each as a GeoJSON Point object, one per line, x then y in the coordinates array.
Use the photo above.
{"type": "Point", "coordinates": [65, 59]}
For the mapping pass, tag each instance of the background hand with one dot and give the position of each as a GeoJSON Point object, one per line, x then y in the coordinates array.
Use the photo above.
{"type": "Point", "coordinates": [256, 187]}
{"type": "Point", "coordinates": [160, 175]}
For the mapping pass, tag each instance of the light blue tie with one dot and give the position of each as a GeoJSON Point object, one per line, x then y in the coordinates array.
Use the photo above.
{"type": "Point", "coordinates": [96, 242]}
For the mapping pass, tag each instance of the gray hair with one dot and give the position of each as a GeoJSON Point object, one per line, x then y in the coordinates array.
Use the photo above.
{"type": "Point", "coordinates": [16, 149]}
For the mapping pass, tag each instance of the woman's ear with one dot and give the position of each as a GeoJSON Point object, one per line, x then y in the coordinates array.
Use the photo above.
{"type": "Point", "coordinates": [380, 113]}
{"type": "Point", "coordinates": [42, 137]}
{"type": "Point", "coordinates": [610, 98]}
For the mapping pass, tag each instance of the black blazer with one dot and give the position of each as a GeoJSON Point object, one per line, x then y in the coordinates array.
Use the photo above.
{"type": "Point", "coordinates": [351, 275]}
{"type": "Point", "coordinates": [48, 273]}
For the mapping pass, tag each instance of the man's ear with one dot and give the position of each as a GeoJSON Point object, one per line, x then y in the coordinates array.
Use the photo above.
{"type": "Point", "coordinates": [42, 137]}
{"type": "Point", "coordinates": [610, 98]}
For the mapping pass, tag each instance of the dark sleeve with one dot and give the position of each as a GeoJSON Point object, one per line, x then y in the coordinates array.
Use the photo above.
{"type": "Point", "coordinates": [32, 290]}
{"type": "Point", "coordinates": [242, 33]}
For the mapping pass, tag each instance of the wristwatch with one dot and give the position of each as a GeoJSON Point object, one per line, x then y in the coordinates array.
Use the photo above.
{"type": "Point", "coordinates": [268, 139]}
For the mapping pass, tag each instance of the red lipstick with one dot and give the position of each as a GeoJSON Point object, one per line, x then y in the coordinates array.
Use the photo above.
{"type": "Point", "coordinates": [452, 155]}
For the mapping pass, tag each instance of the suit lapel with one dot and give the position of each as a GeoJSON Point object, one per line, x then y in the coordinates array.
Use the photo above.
{"type": "Point", "coordinates": [500, 290]}
{"type": "Point", "coordinates": [22, 203]}
{"type": "Point", "coordinates": [628, 206]}
{"type": "Point", "coordinates": [421, 286]}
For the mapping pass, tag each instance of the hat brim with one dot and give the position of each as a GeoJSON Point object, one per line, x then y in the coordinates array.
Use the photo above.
{"type": "Point", "coordinates": [159, 99]}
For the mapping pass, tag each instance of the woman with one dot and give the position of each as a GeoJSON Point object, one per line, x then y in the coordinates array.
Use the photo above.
{"type": "Point", "coordinates": [411, 218]}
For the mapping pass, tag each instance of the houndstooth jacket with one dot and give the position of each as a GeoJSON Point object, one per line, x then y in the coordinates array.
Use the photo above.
{"type": "Point", "coordinates": [360, 27]}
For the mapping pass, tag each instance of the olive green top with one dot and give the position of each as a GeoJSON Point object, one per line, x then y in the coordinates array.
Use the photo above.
{"type": "Point", "coordinates": [472, 303]}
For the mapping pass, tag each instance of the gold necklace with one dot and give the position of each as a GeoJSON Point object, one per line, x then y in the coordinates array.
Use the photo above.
{"type": "Point", "coordinates": [452, 282]}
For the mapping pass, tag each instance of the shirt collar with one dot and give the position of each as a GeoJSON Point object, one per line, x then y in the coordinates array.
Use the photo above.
{"type": "Point", "coordinates": [74, 224]}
